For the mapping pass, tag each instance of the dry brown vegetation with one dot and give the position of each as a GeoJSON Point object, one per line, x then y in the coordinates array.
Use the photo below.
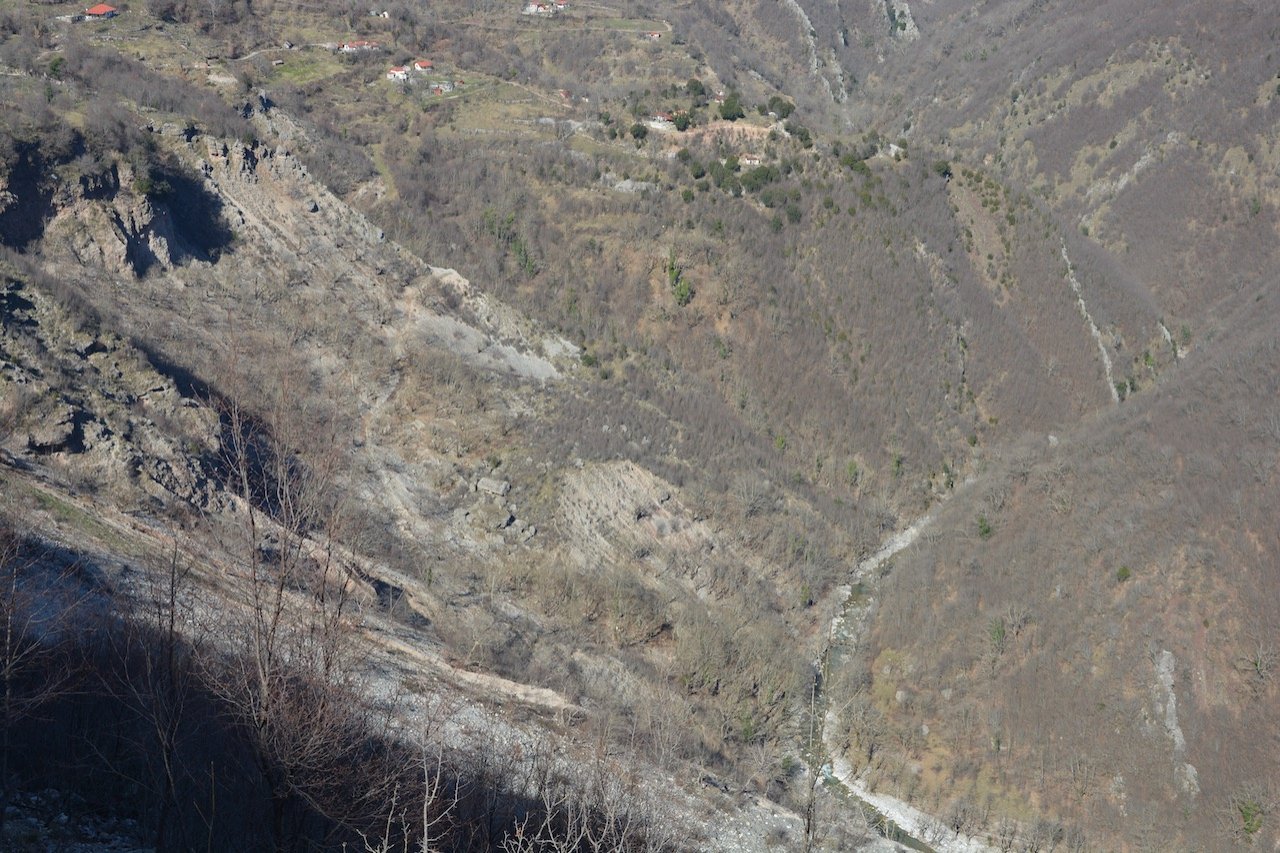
{"type": "Point", "coordinates": [955, 247]}
{"type": "Point", "coordinates": [145, 710]}
{"type": "Point", "coordinates": [1169, 572]}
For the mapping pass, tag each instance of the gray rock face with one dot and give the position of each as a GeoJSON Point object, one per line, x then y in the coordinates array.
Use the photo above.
{"type": "Point", "coordinates": [54, 434]}
{"type": "Point", "coordinates": [493, 486]}
{"type": "Point", "coordinates": [120, 425]}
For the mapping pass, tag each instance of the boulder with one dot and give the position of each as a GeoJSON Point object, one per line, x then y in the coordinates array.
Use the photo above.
{"type": "Point", "coordinates": [492, 486]}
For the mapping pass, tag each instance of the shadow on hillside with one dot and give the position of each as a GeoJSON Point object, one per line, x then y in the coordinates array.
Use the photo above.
{"type": "Point", "coordinates": [196, 214]}
{"type": "Point", "coordinates": [121, 717]}
{"type": "Point", "coordinates": [30, 205]}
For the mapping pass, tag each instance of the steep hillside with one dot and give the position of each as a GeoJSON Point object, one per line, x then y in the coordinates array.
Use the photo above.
{"type": "Point", "coordinates": [600, 351]}
{"type": "Point", "coordinates": [1104, 600]}
{"type": "Point", "coordinates": [1147, 129]}
{"type": "Point", "coordinates": [200, 337]}
{"type": "Point", "coordinates": [1099, 625]}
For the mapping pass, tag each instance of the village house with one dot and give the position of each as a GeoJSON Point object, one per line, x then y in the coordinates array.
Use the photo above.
{"type": "Point", "coordinates": [750, 159]}
{"type": "Point", "coordinates": [653, 36]}
{"type": "Point", "coordinates": [101, 11]}
{"type": "Point", "coordinates": [534, 7]}
{"type": "Point", "coordinates": [661, 121]}
{"type": "Point", "coordinates": [423, 65]}
{"type": "Point", "coordinates": [398, 72]}
{"type": "Point", "coordinates": [441, 87]}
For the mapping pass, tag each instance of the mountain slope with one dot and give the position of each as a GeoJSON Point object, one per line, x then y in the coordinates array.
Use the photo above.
{"type": "Point", "coordinates": [1103, 600]}
{"type": "Point", "coordinates": [741, 291]}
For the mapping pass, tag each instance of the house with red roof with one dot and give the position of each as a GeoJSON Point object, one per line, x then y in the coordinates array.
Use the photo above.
{"type": "Point", "coordinates": [423, 65]}
{"type": "Point", "coordinates": [102, 10]}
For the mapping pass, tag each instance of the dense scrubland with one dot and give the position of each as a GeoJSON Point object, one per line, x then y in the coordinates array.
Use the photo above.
{"type": "Point", "coordinates": [810, 272]}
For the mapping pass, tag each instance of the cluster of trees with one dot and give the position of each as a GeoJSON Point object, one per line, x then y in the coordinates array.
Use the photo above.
{"type": "Point", "coordinates": [693, 110]}
{"type": "Point", "coordinates": [109, 73]}
{"type": "Point", "coordinates": [203, 14]}
{"type": "Point", "coordinates": [598, 291]}
{"type": "Point", "coordinates": [96, 79]}
{"type": "Point", "coordinates": [240, 25]}
{"type": "Point", "coordinates": [727, 173]}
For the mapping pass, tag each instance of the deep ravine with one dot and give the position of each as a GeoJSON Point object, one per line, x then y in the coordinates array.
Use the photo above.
{"type": "Point", "coordinates": [843, 634]}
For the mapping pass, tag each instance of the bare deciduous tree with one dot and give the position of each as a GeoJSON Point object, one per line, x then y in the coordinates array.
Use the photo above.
{"type": "Point", "coordinates": [38, 597]}
{"type": "Point", "coordinates": [158, 648]}
{"type": "Point", "coordinates": [1259, 660]}
{"type": "Point", "coordinates": [290, 669]}
{"type": "Point", "coordinates": [590, 804]}
{"type": "Point", "coordinates": [436, 799]}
